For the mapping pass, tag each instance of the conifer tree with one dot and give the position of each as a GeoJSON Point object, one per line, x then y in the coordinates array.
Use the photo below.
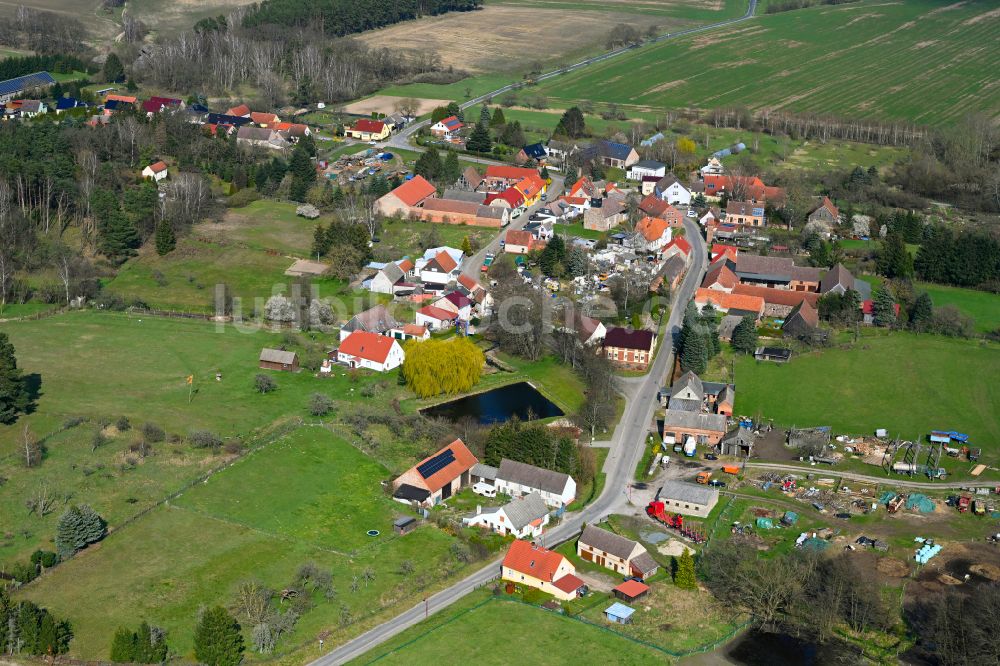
{"type": "Point", "coordinates": [165, 239]}
{"type": "Point", "coordinates": [745, 335]}
{"type": "Point", "coordinates": [685, 576]}
{"type": "Point", "coordinates": [218, 640]}
{"type": "Point", "coordinates": [14, 398]}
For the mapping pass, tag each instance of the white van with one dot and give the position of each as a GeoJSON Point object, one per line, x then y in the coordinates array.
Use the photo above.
{"type": "Point", "coordinates": [484, 489]}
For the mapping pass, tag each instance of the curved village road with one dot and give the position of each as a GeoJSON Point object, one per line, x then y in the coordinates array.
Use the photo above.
{"type": "Point", "coordinates": [624, 454]}
{"type": "Point", "coordinates": [402, 140]}
{"type": "Point", "coordinates": [884, 480]}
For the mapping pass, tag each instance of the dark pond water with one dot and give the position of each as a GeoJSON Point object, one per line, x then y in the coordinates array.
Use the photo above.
{"type": "Point", "coordinates": [757, 648]}
{"type": "Point", "coordinates": [501, 404]}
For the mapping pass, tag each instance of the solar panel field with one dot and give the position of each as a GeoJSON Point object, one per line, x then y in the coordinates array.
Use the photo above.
{"type": "Point", "coordinates": [930, 62]}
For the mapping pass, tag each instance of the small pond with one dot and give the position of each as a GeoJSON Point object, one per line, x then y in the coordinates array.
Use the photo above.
{"type": "Point", "coordinates": [501, 404]}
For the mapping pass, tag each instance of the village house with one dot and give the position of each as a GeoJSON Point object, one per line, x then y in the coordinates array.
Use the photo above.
{"type": "Point", "coordinates": [745, 214]}
{"type": "Point", "coordinates": [670, 272]}
{"type": "Point", "coordinates": [611, 154]}
{"type": "Point", "coordinates": [439, 269]}
{"type": "Point", "coordinates": [366, 129]}
{"type": "Point", "coordinates": [534, 153]}
{"type": "Point", "coordinates": [689, 499]}
{"type": "Point", "coordinates": [743, 188]}
{"type": "Point", "coordinates": [374, 320]}
{"type": "Point", "coordinates": [588, 331]}
{"type": "Point", "coordinates": [389, 279]}
{"type": "Point", "coordinates": [500, 177]}
{"type": "Point", "coordinates": [777, 302]}
{"type": "Point", "coordinates": [406, 198]}
{"type": "Point", "coordinates": [825, 215]}
{"type": "Point", "coordinates": [724, 302]}
{"type": "Point", "coordinates": [451, 211]}
{"type": "Point", "coordinates": [371, 351]}
{"type": "Point", "coordinates": [435, 478]}
{"type": "Point", "coordinates": [519, 241]}
{"type": "Point", "coordinates": [545, 570]}
{"type": "Point", "coordinates": [560, 150]}
{"type": "Point", "coordinates": [690, 394]}
{"type": "Point", "coordinates": [262, 138]}
{"type": "Point", "coordinates": [720, 278]}
{"type": "Point", "coordinates": [278, 359]}
{"type": "Point", "coordinates": [839, 280]}
{"type": "Point", "coordinates": [651, 234]}
{"type": "Point", "coordinates": [156, 171]}
{"type": "Point", "coordinates": [776, 272]}
{"type": "Point", "coordinates": [241, 111]}
{"type": "Point", "coordinates": [605, 214]}
{"type": "Point", "coordinates": [673, 191]}
{"type": "Point", "coordinates": [646, 168]}
{"type": "Point", "coordinates": [262, 119]}
{"type": "Point", "coordinates": [678, 246]}
{"type": "Point", "coordinates": [628, 348]}
{"type": "Point", "coordinates": [409, 332]}
{"type": "Point", "coordinates": [680, 424]}
{"type": "Point", "coordinates": [517, 479]}
{"type": "Point", "coordinates": [435, 318]}
{"type": "Point", "coordinates": [457, 303]}
{"type": "Point", "coordinates": [712, 217]}
{"type": "Point", "coordinates": [446, 127]}
{"type": "Point", "coordinates": [531, 187]}
{"type": "Point", "coordinates": [510, 199]}
{"type": "Point", "coordinates": [292, 130]}
{"type": "Point", "coordinates": [523, 518]}
{"type": "Point", "coordinates": [612, 551]}
{"type": "Point", "coordinates": [654, 206]}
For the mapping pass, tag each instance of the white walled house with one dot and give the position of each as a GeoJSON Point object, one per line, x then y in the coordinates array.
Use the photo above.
{"type": "Point", "coordinates": [644, 168]}
{"type": "Point", "coordinates": [156, 171]}
{"type": "Point", "coordinates": [524, 518]}
{"type": "Point", "coordinates": [516, 479]}
{"type": "Point", "coordinates": [673, 192]}
{"type": "Point", "coordinates": [362, 349]}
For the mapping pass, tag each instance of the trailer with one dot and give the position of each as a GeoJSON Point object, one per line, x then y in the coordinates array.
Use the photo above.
{"type": "Point", "coordinates": [963, 503]}
{"type": "Point", "coordinates": [731, 469]}
{"type": "Point", "coordinates": [979, 507]}
{"type": "Point", "coordinates": [674, 521]}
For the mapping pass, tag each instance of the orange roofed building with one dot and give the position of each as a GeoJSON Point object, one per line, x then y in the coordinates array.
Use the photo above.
{"type": "Point", "coordinates": [542, 569]}
{"type": "Point", "coordinates": [733, 303]}
{"type": "Point", "coordinates": [406, 198]}
{"type": "Point", "coordinates": [436, 477]}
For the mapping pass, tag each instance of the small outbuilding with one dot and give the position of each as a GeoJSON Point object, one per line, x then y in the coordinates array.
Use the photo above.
{"type": "Point", "coordinates": [620, 613]}
{"type": "Point", "coordinates": [774, 354]}
{"type": "Point", "coordinates": [279, 359]}
{"type": "Point", "coordinates": [404, 525]}
{"type": "Point", "coordinates": [631, 591]}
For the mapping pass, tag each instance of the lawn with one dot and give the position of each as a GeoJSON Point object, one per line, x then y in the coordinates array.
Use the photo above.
{"type": "Point", "coordinates": [865, 59]}
{"type": "Point", "coordinates": [909, 384]}
{"type": "Point", "coordinates": [308, 497]}
{"type": "Point", "coordinates": [982, 306]}
{"type": "Point", "coordinates": [540, 637]}
{"type": "Point", "coordinates": [400, 238]}
{"type": "Point", "coordinates": [266, 225]}
{"type": "Point", "coordinates": [14, 310]}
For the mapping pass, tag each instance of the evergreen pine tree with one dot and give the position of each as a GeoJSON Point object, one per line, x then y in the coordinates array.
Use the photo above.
{"type": "Point", "coordinates": [117, 235]}
{"type": "Point", "coordinates": [123, 647]}
{"type": "Point", "coordinates": [745, 335]}
{"type": "Point", "coordinates": [450, 170]}
{"type": "Point", "coordinates": [685, 576]}
{"type": "Point", "coordinates": [479, 141]}
{"type": "Point", "coordinates": [883, 307]}
{"type": "Point", "coordinates": [321, 244]}
{"type": "Point", "coordinates": [893, 259]}
{"type": "Point", "coordinates": [14, 398]}
{"type": "Point", "coordinates": [165, 239]}
{"type": "Point", "coordinates": [566, 456]}
{"type": "Point", "coordinates": [467, 247]}
{"type": "Point", "coordinates": [217, 639]}
{"type": "Point", "coordinates": [694, 354]}
{"type": "Point", "coordinates": [921, 312]}
{"type": "Point", "coordinates": [498, 119]}
{"type": "Point", "coordinates": [303, 173]}
{"type": "Point", "coordinates": [485, 116]}
{"type": "Point", "coordinates": [572, 124]}
{"type": "Point", "coordinates": [572, 175]}
{"type": "Point", "coordinates": [710, 328]}
{"type": "Point", "coordinates": [429, 165]}
{"type": "Point", "coordinates": [78, 527]}
{"type": "Point", "coordinates": [576, 261]}
{"type": "Point", "coordinates": [113, 69]}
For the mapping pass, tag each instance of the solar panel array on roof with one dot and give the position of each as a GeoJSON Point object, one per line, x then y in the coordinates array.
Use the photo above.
{"type": "Point", "coordinates": [13, 86]}
{"type": "Point", "coordinates": [436, 464]}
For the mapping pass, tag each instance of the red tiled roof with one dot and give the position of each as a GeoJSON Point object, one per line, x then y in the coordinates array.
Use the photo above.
{"type": "Point", "coordinates": [511, 195]}
{"type": "Point", "coordinates": [868, 307]}
{"type": "Point", "coordinates": [509, 172]}
{"type": "Point", "coordinates": [532, 560]}
{"type": "Point", "coordinates": [632, 588]}
{"type": "Point", "coordinates": [462, 463]}
{"type": "Point", "coordinates": [721, 275]}
{"type": "Point", "coordinates": [415, 329]}
{"type": "Point", "coordinates": [519, 237]}
{"type": "Point", "coordinates": [445, 261]}
{"type": "Point", "coordinates": [241, 110]}
{"type": "Point", "coordinates": [405, 265]}
{"type": "Point", "coordinates": [263, 118]}
{"type": "Point", "coordinates": [681, 243]}
{"type": "Point", "coordinates": [719, 248]}
{"type": "Point", "coordinates": [725, 301]}
{"type": "Point", "coordinates": [468, 282]}
{"type": "Point", "coordinates": [575, 201]}
{"type": "Point", "coordinates": [778, 296]}
{"type": "Point", "coordinates": [369, 346]}
{"type": "Point", "coordinates": [369, 125]}
{"type": "Point", "coordinates": [530, 185]}
{"type": "Point", "coordinates": [413, 191]}
{"type": "Point", "coordinates": [569, 583]}
{"type": "Point", "coordinates": [157, 167]}
{"type": "Point", "coordinates": [434, 312]}
{"type": "Point", "coordinates": [651, 228]}
{"type": "Point", "coordinates": [457, 299]}
{"type": "Point", "coordinates": [653, 205]}
{"type": "Point", "coordinates": [626, 338]}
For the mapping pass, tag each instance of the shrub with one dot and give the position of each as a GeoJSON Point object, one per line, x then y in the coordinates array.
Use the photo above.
{"type": "Point", "coordinates": [264, 384]}
{"type": "Point", "coordinates": [320, 404]}
{"type": "Point", "coordinates": [153, 433]}
{"type": "Point", "coordinates": [122, 424]}
{"type": "Point", "coordinates": [203, 439]}
{"type": "Point", "coordinates": [46, 558]}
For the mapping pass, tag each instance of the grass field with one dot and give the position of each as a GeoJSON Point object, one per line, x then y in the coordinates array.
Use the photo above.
{"type": "Point", "coordinates": [308, 497]}
{"type": "Point", "coordinates": [866, 59]}
{"type": "Point", "coordinates": [540, 637]}
{"type": "Point", "coordinates": [906, 383]}
{"type": "Point", "coordinates": [982, 306]}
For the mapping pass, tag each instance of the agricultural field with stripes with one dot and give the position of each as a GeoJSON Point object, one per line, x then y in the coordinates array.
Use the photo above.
{"type": "Point", "coordinates": [929, 62]}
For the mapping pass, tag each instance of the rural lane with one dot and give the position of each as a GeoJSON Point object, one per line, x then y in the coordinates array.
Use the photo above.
{"type": "Point", "coordinates": [626, 449]}
{"type": "Point", "coordinates": [884, 480]}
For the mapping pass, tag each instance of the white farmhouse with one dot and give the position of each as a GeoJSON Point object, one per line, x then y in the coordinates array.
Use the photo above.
{"type": "Point", "coordinates": [517, 479]}
{"type": "Point", "coordinates": [524, 518]}
{"type": "Point", "coordinates": [362, 349]}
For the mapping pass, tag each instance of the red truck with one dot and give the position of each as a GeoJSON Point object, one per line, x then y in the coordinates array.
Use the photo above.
{"type": "Point", "coordinates": [963, 503]}
{"type": "Point", "coordinates": [657, 511]}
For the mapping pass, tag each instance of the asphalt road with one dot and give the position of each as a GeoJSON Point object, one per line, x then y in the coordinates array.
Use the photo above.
{"type": "Point", "coordinates": [626, 449]}
{"type": "Point", "coordinates": [897, 480]}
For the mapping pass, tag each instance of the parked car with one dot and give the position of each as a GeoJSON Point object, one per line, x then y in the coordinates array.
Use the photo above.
{"type": "Point", "coordinates": [692, 212]}
{"type": "Point", "coordinates": [717, 484]}
{"type": "Point", "coordinates": [711, 456]}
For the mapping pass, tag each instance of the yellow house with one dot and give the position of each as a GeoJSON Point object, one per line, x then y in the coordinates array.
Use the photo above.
{"type": "Point", "coordinates": [369, 130]}
{"type": "Point", "coordinates": [545, 570]}
{"type": "Point", "coordinates": [531, 187]}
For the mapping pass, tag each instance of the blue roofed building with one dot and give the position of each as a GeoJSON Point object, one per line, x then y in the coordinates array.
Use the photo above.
{"type": "Point", "coordinates": [67, 103]}
{"type": "Point", "coordinates": [619, 612]}
{"type": "Point", "coordinates": [16, 87]}
{"type": "Point", "coordinates": [617, 155]}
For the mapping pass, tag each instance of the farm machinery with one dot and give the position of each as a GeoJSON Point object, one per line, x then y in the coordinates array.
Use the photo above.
{"type": "Point", "coordinates": [675, 521]}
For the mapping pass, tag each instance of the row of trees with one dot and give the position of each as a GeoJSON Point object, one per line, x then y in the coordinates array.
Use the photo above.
{"type": "Point", "coordinates": [539, 445]}
{"type": "Point", "coordinates": [145, 645]}
{"type": "Point", "coordinates": [964, 259]}
{"type": "Point", "coordinates": [25, 628]}
{"type": "Point", "coordinates": [343, 17]}
{"type": "Point", "coordinates": [698, 340]}
{"type": "Point", "coordinates": [14, 397]}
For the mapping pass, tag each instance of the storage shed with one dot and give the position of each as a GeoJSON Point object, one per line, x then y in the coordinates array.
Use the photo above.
{"type": "Point", "coordinates": [631, 590]}
{"type": "Point", "coordinates": [278, 359]}
{"type": "Point", "coordinates": [404, 525]}
{"type": "Point", "coordinates": [620, 613]}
